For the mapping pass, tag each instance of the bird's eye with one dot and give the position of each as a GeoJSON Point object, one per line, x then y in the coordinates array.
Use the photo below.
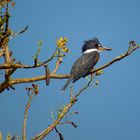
{"type": "Point", "coordinates": [99, 45]}
{"type": "Point", "coordinates": [96, 45]}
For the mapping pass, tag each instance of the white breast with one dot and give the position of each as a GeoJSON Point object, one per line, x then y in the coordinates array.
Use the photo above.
{"type": "Point", "coordinates": [91, 50]}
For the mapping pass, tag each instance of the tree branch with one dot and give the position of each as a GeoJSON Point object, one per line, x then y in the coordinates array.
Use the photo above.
{"type": "Point", "coordinates": [25, 118]}
{"type": "Point", "coordinates": [38, 78]}
{"type": "Point", "coordinates": [127, 53]}
{"type": "Point", "coordinates": [66, 108]}
{"type": "Point", "coordinates": [59, 61]}
{"type": "Point", "coordinates": [59, 134]}
{"type": "Point", "coordinates": [73, 100]}
{"type": "Point", "coordinates": [62, 76]}
{"type": "Point", "coordinates": [6, 84]}
{"type": "Point", "coordinates": [44, 133]}
{"type": "Point", "coordinates": [22, 66]}
{"type": "Point", "coordinates": [32, 92]}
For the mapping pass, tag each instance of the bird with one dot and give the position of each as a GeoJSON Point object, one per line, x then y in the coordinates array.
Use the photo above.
{"type": "Point", "coordinates": [83, 65]}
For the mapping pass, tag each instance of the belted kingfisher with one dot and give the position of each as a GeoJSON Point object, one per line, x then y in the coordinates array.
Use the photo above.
{"type": "Point", "coordinates": [83, 65]}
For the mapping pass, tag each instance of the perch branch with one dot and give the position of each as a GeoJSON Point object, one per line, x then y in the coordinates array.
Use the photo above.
{"type": "Point", "coordinates": [73, 100]}
{"type": "Point", "coordinates": [130, 50]}
{"type": "Point", "coordinates": [4, 85]}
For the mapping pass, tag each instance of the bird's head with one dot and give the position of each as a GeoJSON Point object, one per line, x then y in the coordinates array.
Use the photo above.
{"type": "Point", "coordinates": [93, 45]}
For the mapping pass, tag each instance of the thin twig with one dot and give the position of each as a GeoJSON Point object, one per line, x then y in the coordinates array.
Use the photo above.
{"type": "Point", "coordinates": [59, 134]}
{"type": "Point", "coordinates": [25, 118]}
{"type": "Point", "coordinates": [84, 88]}
{"type": "Point", "coordinates": [70, 122]}
{"type": "Point", "coordinates": [59, 61]}
{"type": "Point", "coordinates": [22, 66]}
{"type": "Point", "coordinates": [18, 33]}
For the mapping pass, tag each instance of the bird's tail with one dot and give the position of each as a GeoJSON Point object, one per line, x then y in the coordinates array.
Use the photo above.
{"type": "Point", "coordinates": [66, 85]}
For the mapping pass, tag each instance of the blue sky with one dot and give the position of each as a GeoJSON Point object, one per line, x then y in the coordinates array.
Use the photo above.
{"type": "Point", "coordinates": [109, 111]}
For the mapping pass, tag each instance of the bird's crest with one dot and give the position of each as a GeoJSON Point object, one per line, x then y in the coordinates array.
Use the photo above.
{"type": "Point", "coordinates": [89, 44]}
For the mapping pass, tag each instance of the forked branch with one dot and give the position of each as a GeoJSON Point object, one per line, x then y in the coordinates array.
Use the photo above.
{"type": "Point", "coordinates": [73, 99]}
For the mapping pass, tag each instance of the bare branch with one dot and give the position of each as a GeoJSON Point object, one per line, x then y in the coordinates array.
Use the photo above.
{"type": "Point", "coordinates": [7, 83]}
{"type": "Point", "coordinates": [59, 134]}
{"type": "Point", "coordinates": [25, 118]}
{"type": "Point", "coordinates": [4, 85]}
{"type": "Point", "coordinates": [19, 65]}
{"type": "Point", "coordinates": [44, 133]}
{"type": "Point", "coordinates": [18, 33]}
{"type": "Point", "coordinates": [38, 78]}
{"type": "Point", "coordinates": [59, 61]}
{"type": "Point", "coordinates": [70, 122]}
{"type": "Point", "coordinates": [32, 92]}
{"type": "Point", "coordinates": [73, 100]}
{"type": "Point", "coordinates": [130, 50]}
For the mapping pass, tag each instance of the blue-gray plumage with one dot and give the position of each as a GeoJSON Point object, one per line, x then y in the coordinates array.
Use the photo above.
{"type": "Point", "coordinates": [83, 65]}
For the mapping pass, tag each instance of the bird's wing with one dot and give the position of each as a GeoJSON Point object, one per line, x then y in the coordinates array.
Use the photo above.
{"type": "Point", "coordinates": [83, 65]}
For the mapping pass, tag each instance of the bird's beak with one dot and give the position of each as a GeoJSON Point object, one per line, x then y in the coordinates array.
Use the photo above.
{"type": "Point", "coordinates": [104, 49]}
